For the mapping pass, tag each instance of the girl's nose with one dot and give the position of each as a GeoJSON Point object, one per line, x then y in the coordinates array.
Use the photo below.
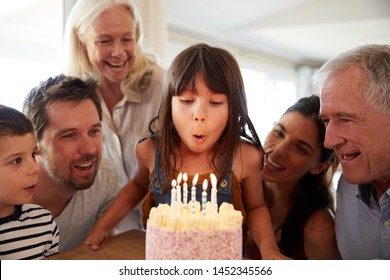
{"type": "Point", "coordinates": [199, 118]}
{"type": "Point", "coordinates": [200, 114]}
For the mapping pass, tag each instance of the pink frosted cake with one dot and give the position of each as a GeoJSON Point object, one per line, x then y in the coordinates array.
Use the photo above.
{"type": "Point", "coordinates": [181, 233]}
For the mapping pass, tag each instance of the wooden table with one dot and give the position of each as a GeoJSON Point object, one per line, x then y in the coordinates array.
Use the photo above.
{"type": "Point", "coordinates": [129, 245]}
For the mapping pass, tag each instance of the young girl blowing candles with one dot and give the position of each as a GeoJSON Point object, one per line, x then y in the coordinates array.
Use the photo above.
{"type": "Point", "coordinates": [200, 129]}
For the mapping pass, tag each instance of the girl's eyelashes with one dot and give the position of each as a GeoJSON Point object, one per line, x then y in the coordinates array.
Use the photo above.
{"type": "Point", "coordinates": [185, 100]}
{"type": "Point", "coordinates": [188, 100]}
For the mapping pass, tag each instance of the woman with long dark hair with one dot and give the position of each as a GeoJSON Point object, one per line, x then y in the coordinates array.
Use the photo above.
{"type": "Point", "coordinates": [297, 180]}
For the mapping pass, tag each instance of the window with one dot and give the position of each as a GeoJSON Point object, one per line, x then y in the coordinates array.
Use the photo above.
{"type": "Point", "coordinates": [267, 99]}
{"type": "Point", "coordinates": [19, 77]}
{"type": "Point", "coordinates": [30, 34]}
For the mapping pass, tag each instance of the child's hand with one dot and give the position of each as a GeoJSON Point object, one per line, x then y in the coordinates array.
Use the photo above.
{"type": "Point", "coordinates": [274, 255]}
{"type": "Point", "coordinates": [95, 237]}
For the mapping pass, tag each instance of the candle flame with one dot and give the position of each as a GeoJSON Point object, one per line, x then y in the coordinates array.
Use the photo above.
{"type": "Point", "coordinates": [185, 177]}
{"type": "Point", "coordinates": [179, 178]}
{"type": "Point", "coordinates": [195, 180]}
{"type": "Point", "coordinates": [173, 184]}
{"type": "Point", "coordinates": [205, 184]}
{"type": "Point", "coordinates": [213, 180]}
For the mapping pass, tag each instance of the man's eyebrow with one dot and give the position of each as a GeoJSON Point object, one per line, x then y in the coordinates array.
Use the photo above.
{"type": "Point", "coordinates": [99, 124]}
{"type": "Point", "coordinates": [72, 129]}
{"type": "Point", "coordinates": [65, 130]}
{"type": "Point", "coordinates": [339, 115]}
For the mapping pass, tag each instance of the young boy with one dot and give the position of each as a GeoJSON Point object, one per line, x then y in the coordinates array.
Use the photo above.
{"type": "Point", "coordinates": [27, 231]}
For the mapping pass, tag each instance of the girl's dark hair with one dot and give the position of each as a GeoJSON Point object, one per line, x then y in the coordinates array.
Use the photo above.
{"type": "Point", "coordinates": [221, 74]}
{"type": "Point", "coordinates": [13, 122]}
{"type": "Point", "coordinates": [314, 191]}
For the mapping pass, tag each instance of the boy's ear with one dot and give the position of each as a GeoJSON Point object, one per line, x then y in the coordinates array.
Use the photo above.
{"type": "Point", "coordinates": [320, 167]}
{"type": "Point", "coordinates": [37, 150]}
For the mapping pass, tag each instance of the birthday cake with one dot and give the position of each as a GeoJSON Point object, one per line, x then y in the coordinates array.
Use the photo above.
{"type": "Point", "coordinates": [190, 231]}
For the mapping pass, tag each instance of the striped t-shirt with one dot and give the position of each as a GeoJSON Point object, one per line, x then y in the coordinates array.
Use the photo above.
{"type": "Point", "coordinates": [29, 233]}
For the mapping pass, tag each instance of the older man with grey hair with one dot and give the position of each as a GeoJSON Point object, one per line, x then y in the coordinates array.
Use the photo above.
{"type": "Point", "coordinates": [355, 107]}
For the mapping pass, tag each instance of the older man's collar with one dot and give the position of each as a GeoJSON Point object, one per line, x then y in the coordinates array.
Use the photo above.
{"type": "Point", "coordinates": [364, 193]}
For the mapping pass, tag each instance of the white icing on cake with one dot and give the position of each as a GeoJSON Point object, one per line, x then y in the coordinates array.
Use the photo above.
{"type": "Point", "coordinates": [175, 233]}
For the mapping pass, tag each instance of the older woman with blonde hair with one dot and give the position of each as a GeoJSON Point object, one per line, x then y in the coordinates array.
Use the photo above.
{"type": "Point", "coordinates": [103, 39]}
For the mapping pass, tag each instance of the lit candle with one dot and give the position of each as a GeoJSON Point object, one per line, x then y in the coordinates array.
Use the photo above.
{"type": "Point", "coordinates": [173, 194]}
{"type": "Point", "coordinates": [193, 193]}
{"type": "Point", "coordinates": [185, 191]}
{"type": "Point", "coordinates": [204, 197]}
{"type": "Point", "coordinates": [179, 178]}
{"type": "Point", "coordinates": [214, 205]}
{"type": "Point", "coordinates": [178, 189]}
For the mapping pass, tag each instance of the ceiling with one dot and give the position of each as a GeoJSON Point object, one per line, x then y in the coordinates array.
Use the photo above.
{"type": "Point", "coordinates": [309, 31]}
{"type": "Point", "coordinates": [304, 31]}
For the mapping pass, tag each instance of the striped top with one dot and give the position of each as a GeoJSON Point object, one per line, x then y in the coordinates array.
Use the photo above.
{"type": "Point", "coordinates": [29, 233]}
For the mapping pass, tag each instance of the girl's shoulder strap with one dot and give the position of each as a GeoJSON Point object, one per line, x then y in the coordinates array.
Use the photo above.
{"type": "Point", "coordinates": [150, 136]}
{"type": "Point", "coordinates": [156, 156]}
